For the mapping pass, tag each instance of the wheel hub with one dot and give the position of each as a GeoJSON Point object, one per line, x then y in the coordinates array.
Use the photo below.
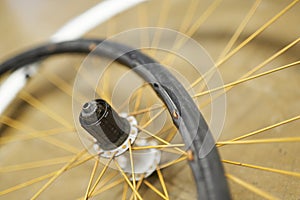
{"type": "Point", "coordinates": [145, 161]}
{"type": "Point", "coordinates": [113, 133]}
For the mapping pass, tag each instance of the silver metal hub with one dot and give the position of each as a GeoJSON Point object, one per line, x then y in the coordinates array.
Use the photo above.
{"type": "Point", "coordinates": [144, 161]}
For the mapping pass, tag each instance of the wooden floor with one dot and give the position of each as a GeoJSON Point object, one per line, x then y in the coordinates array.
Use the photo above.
{"type": "Point", "coordinates": [249, 106]}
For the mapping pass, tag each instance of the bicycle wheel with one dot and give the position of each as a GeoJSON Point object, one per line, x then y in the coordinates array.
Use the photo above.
{"type": "Point", "coordinates": [208, 171]}
{"type": "Point", "coordinates": [270, 105]}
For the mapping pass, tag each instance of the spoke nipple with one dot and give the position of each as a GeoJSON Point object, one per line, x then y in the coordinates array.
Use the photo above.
{"type": "Point", "coordinates": [92, 46]}
{"type": "Point", "coordinates": [175, 114]}
{"type": "Point", "coordinates": [190, 155]}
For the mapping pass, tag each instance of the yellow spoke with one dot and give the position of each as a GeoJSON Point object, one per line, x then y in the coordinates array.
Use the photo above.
{"type": "Point", "coordinates": [167, 130]}
{"type": "Point", "coordinates": [284, 172]}
{"type": "Point", "coordinates": [143, 22]}
{"type": "Point", "coordinates": [154, 189]}
{"type": "Point", "coordinates": [263, 129]}
{"type": "Point", "coordinates": [26, 184]}
{"type": "Point", "coordinates": [91, 179]}
{"type": "Point", "coordinates": [162, 182]}
{"type": "Point", "coordinates": [60, 144]}
{"type": "Point", "coordinates": [137, 186]}
{"type": "Point", "coordinates": [14, 124]}
{"type": "Point", "coordinates": [84, 74]}
{"type": "Point", "coordinates": [171, 150]}
{"type": "Point", "coordinates": [247, 79]}
{"type": "Point", "coordinates": [125, 190]}
{"type": "Point", "coordinates": [240, 28]}
{"type": "Point", "coordinates": [229, 45]}
{"type": "Point", "coordinates": [171, 135]}
{"type": "Point", "coordinates": [40, 178]}
{"type": "Point", "coordinates": [196, 25]}
{"type": "Point", "coordinates": [106, 82]}
{"type": "Point", "coordinates": [256, 33]}
{"type": "Point", "coordinates": [63, 86]}
{"type": "Point", "coordinates": [22, 127]}
{"type": "Point", "coordinates": [271, 58]}
{"type": "Point", "coordinates": [58, 173]}
{"type": "Point", "coordinates": [85, 159]}
{"type": "Point", "coordinates": [44, 109]}
{"type": "Point", "coordinates": [250, 187]}
{"type": "Point", "coordinates": [272, 140]}
{"type": "Point", "coordinates": [160, 139]}
{"type": "Point", "coordinates": [35, 164]}
{"type": "Point", "coordinates": [138, 100]}
{"type": "Point", "coordinates": [138, 91]}
{"type": "Point", "coordinates": [127, 180]}
{"type": "Point", "coordinates": [173, 162]}
{"type": "Point", "coordinates": [157, 146]}
{"type": "Point", "coordinates": [102, 184]}
{"type": "Point", "coordinates": [153, 118]}
{"type": "Point", "coordinates": [231, 53]}
{"type": "Point", "coordinates": [144, 118]}
{"type": "Point", "coordinates": [142, 111]}
{"type": "Point", "coordinates": [111, 27]}
{"type": "Point", "coordinates": [132, 167]}
{"type": "Point", "coordinates": [100, 176]}
{"type": "Point", "coordinates": [33, 135]}
{"type": "Point", "coordinates": [258, 67]}
{"type": "Point", "coordinates": [189, 16]}
{"type": "Point", "coordinates": [192, 30]}
{"type": "Point", "coordinates": [161, 22]}
{"type": "Point", "coordinates": [109, 186]}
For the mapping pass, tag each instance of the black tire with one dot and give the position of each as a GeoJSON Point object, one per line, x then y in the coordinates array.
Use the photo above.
{"type": "Point", "coordinates": [208, 170]}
